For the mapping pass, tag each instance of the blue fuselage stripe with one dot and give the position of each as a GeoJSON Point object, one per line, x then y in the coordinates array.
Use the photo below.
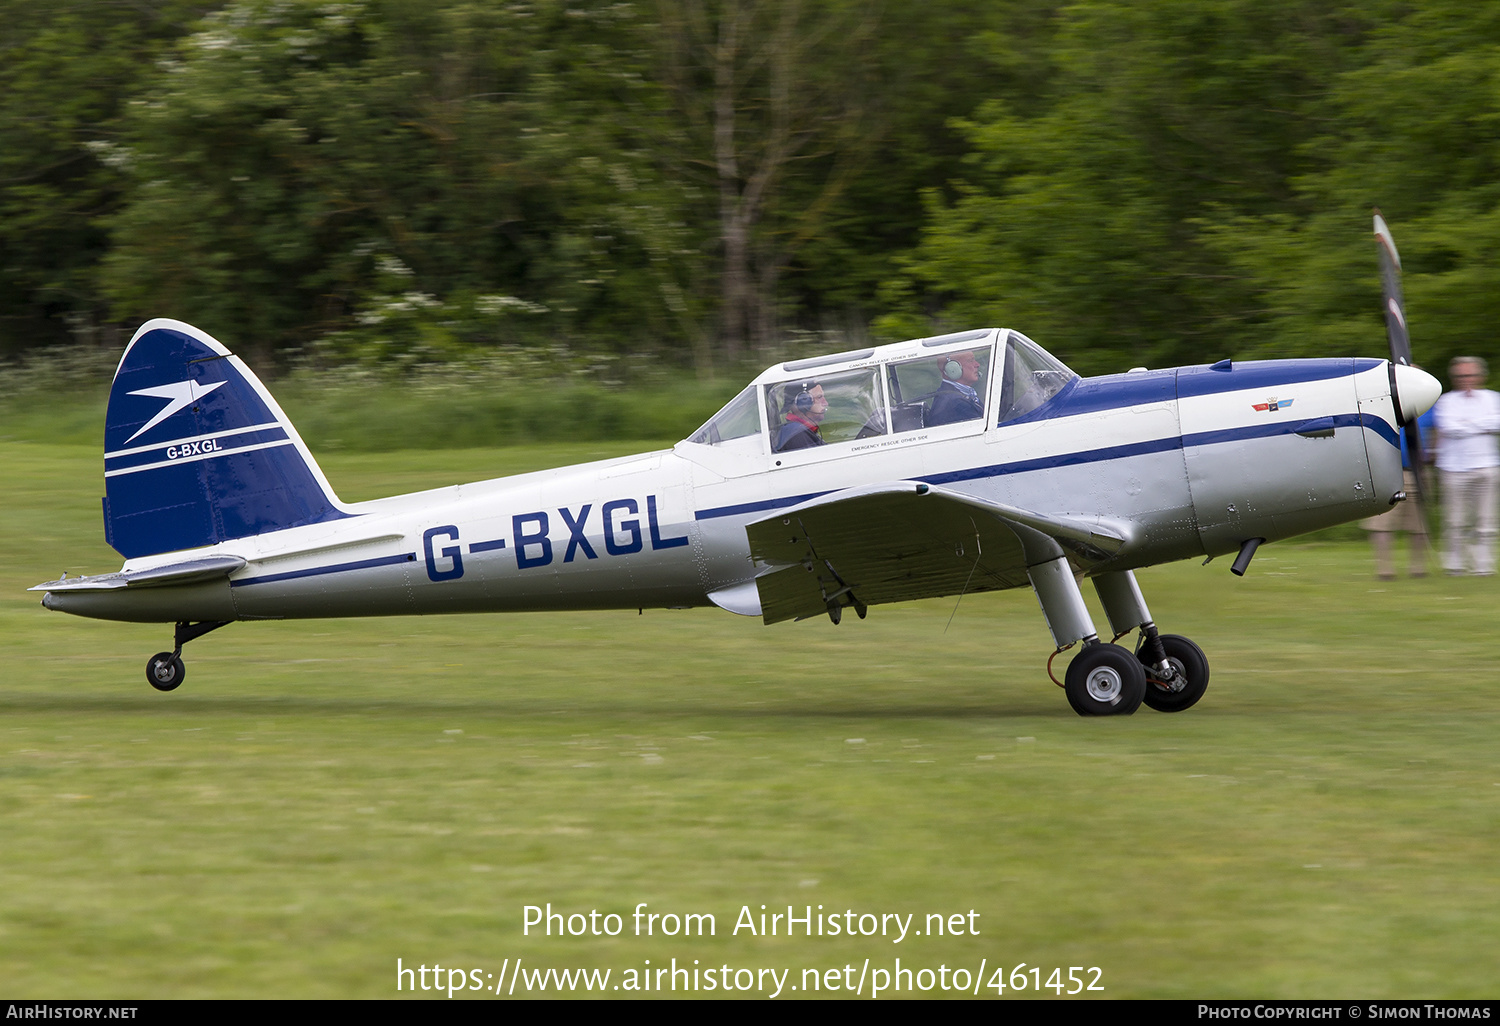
{"type": "Point", "coordinates": [1342, 420]}
{"type": "Point", "coordinates": [1067, 459]}
{"type": "Point", "coordinates": [756, 507]}
{"type": "Point", "coordinates": [1118, 391]}
{"type": "Point", "coordinates": [317, 571]}
{"type": "Point", "coordinates": [1086, 456]}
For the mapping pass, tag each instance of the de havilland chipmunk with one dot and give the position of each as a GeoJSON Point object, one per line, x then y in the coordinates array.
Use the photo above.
{"type": "Point", "coordinates": [965, 462]}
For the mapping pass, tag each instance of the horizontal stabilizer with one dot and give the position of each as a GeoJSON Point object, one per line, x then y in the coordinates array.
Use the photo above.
{"type": "Point", "coordinates": [192, 571]}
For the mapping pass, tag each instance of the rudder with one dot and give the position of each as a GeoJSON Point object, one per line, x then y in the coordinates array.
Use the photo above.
{"type": "Point", "coordinates": [197, 452]}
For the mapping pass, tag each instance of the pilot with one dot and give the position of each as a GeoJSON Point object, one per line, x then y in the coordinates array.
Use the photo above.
{"type": "Point", "coordinates": [805, 409]}
{"type": "Point", "coordinates": [956, 399]}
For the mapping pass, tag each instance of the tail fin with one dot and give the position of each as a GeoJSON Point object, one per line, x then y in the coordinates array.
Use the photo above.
{"type": "Point", "coordinates": [196, 451]}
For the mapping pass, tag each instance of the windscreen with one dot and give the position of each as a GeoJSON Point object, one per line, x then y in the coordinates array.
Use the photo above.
{"type": "Point", "coordinates": [739, 418]}
{"type": "Point", "coordinates": [1031, 377]}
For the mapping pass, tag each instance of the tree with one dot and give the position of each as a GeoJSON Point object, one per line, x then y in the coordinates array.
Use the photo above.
{"type": "Point", "coordinates": [1088, 219]}
{"type": "Point", "coordinates": [401, 174]}
{"type": "Point", "coordinates": [1409, 127]}
{"type": "Point", "coordinates": [764, 93]}
{"type": "Point", "coordinates": [66, 72]}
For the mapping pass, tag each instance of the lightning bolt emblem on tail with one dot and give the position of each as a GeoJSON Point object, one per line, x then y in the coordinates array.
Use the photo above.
{"type": "Point", "coordinates": [178, 394]}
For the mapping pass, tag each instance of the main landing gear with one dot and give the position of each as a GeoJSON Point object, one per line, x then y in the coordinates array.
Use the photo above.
{"type": "Point", "coordinates": [1104, 680]}
{"type": "Point", "coordinates": [1167, 671]}
{"type": "Point", "coordinates": [164, 671]}
{"type": "Point", "coordinates": [1184, 685]}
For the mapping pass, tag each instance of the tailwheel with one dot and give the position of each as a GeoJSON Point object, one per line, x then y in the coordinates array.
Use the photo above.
{"type": "Point", "coordinates": [165, 671]}
{"type": "Point", "coordinates": [1189, 675]}
{"type": "Point", "coordinates": [1105, 680]}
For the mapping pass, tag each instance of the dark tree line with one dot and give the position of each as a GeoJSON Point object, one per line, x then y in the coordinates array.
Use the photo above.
{"type": "Point", "coordinates": [1129, 183]}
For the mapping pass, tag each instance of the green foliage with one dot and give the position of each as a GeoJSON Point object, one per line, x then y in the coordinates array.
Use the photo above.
{"type": "Point", "coordinates": [296, 157]}
{"type": "Point", "coordinates": [513, 398]}
{"type": "Point", "coordinates": [544, 171]}
{"type": "Point", "coordinates": [925, 67]}
{"type": "Point", "coordinates": [1410, 129]}
{"type": "Point", "coordinates": [509, 395]}
{"type": "Point", "coordinates": [408, 180]}
{"type": "Point", "coordinates": [65, 73]}
{"type": "Point", "coordinates": [1086, 219]}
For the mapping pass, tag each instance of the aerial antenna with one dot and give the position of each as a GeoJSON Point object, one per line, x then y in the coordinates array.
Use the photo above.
{"type": "Point", "coordinates": [978, 552]}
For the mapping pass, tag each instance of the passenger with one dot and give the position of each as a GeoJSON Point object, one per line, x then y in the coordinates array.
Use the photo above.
{"type": "Point", "coordinates": [805, 408]}
{"type": "Point", "coordinates": [956, 399]}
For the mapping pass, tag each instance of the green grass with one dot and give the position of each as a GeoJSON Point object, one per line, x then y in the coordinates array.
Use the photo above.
{"type": "Point", "coordinates": [321, 798]}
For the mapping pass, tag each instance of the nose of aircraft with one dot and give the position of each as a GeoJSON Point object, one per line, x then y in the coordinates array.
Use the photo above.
{"type": "Point", "coordinates": [1416, 391]}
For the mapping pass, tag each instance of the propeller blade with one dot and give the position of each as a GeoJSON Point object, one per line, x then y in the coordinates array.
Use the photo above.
{"type": "Point", "coordinates": [1400, 343]}
{"type": "Point", "coordinates": [1390, 280]}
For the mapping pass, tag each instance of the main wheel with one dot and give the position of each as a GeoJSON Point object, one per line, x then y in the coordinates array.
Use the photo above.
{"type": "Point", "coordinates": [165, 671]}
{"type": "Point", "coordinates": [1105, 680]}
{"type": "Point", "coordinates": [1192, 676]}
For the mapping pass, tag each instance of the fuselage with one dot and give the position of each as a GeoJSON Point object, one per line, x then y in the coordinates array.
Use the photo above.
{"type": "Point", "coordinates": [1186, 462]}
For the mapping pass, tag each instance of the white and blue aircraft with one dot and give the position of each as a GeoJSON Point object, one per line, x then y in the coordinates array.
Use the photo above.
{"type": "Point", "coordinates": [939, 466]}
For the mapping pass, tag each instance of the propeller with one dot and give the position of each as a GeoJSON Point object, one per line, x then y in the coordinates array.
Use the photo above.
{"type": "Point", "coordinates": [1395, 329]}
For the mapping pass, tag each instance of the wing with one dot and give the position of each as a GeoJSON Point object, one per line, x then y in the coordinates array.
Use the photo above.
{"type": "Point", "coordinates": [907, 540]}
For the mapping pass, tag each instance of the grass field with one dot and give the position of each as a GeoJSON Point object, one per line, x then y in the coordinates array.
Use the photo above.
{"type": "Point", "coordinates": [322, 798]}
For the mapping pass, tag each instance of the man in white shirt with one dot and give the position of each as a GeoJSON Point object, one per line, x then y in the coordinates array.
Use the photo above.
{"type": "Point", "coordinates": [1468, 421]}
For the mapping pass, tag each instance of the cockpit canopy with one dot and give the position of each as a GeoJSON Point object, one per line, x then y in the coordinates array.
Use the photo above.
{"type": "Point", "coordinates": [910, 386]}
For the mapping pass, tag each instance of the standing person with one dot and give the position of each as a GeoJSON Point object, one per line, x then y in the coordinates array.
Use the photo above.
{"type": "Point", "coordinates": [1409, 516]}
{"type": "Point", "coordinates": [1468, 420]}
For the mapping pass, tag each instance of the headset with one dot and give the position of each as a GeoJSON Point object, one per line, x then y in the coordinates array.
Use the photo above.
{"type": "Point", "coordinates": [952, 371]}
{"type": "Point", "coordinates": [802, 402]}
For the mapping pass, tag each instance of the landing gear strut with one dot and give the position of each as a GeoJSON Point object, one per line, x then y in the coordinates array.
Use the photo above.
{"type": "Point", "coordinates": [1102, 680]}
{"type": "Point", "coordinates": [1167, 672]}
{"type": "Point", "coordinates": [164, 671]}
{"type": "Point", "coordinates": [1176, 669]}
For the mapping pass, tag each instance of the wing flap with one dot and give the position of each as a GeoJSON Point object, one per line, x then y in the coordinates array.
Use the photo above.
{"type": "Point", "coordinates": [907, 540]}
{"type": "Point", "coordinates": [885, 543]}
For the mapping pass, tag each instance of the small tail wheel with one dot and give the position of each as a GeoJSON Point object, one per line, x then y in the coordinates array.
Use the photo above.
{"type": "Point", "coordinates": [1191, 679]}
{"type": "Point", "coordinates": [1105, 680]}
{"type": "Point", "coordinates": [165, 671]}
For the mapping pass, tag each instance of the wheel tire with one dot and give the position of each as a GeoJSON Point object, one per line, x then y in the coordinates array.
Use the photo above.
{"type": "Point", "coordinates": [164, 671]}
{"type": "Point", "coordinates": [1187, 659]}
{"type": "Point", "coordinates": [1105, 680]}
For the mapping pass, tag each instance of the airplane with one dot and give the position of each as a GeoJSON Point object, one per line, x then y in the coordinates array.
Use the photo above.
{"type": "Point", "coordinates": [964, 462]}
